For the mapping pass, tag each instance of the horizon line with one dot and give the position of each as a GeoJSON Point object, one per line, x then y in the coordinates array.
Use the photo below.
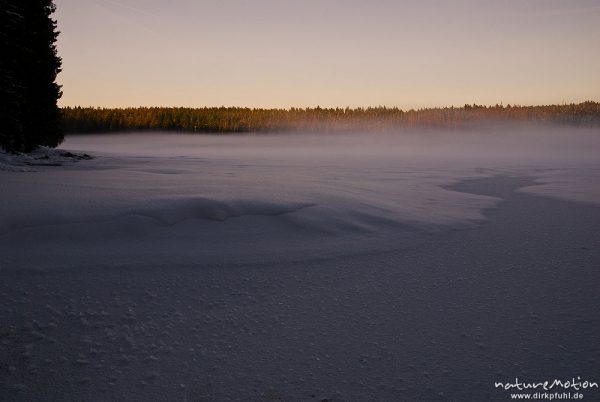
{"type": "Point", "coordinates": [332, 107]}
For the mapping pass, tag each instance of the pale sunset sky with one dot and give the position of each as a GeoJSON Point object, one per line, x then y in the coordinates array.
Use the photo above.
{"type": "Point", "coordinates": [284, 53]}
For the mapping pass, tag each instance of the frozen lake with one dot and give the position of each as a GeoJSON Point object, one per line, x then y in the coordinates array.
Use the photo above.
{"type": "Point", "coordinates": [415, 266]}
{"type": "Point", "coordinates": [188, 199]}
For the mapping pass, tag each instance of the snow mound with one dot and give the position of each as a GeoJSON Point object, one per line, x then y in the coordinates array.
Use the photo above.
{"type": "Point", "coordinates": [42, 156]}
{"type": "Point", "coordinates": [173, 211]}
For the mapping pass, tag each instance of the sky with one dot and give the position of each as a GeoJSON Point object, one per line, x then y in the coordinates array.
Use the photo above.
{"type": "Point", "coordinates": [328, 53]}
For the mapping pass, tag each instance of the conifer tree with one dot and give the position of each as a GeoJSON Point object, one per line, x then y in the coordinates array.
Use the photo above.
{"type": "Point", "coordinates": [29, 115]}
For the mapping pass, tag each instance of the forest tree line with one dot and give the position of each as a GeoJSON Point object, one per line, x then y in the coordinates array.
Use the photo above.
{"type": "Point", "coordinates": [239, 120]}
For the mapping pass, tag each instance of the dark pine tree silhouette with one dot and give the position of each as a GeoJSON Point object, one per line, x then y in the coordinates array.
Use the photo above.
{"type": "Point", "coordinates": [29, 115]}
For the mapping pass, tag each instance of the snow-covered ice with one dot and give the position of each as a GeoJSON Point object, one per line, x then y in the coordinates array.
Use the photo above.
{"type": "Point", "coordinates": [414, 266]}
{"type": "Point", "coordinates": [189, 199]}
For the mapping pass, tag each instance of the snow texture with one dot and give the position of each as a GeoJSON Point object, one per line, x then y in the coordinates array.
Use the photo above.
{"type": "Point", "coordinates": [419, 266]}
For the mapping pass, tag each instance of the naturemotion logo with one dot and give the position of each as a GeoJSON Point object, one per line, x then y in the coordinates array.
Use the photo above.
{"type": "Point", "coordinates": [536, 389]}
